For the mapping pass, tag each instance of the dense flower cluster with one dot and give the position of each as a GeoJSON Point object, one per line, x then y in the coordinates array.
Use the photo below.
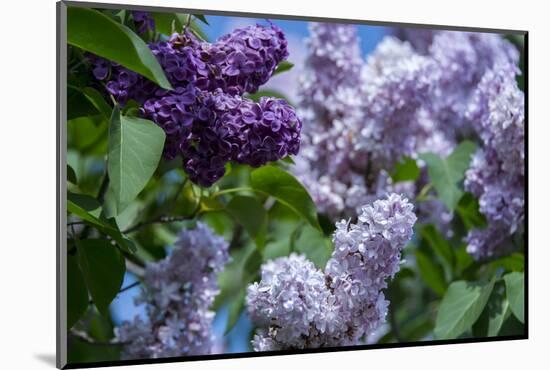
{"type": "Point", "coordinates": [208, 129]}
{"type": "Point", "coordinates": [496, 174]}
{"type": "Point", "coordinates": [206, 119]}
{"type": "Point", "coordinates": [361, 117]}
{"type": "Point", "coordinates": [297, 306]}
{"type": "Point", "coordinates": [462, 59]}
{"type": "Point", "coordinates": [178, 293]}
{"type": "Point", "coordinates": [405, 98]}
{"type": "Point", "coordinates": [396, 84]}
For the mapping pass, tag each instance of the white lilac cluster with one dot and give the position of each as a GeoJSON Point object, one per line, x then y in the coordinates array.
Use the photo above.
{"type": "Point", "coordinates": [496, 174]}
{"type": "Point", "coordinates": [178, 292]}
{"type": "Point", "coordinates": [297, 306]}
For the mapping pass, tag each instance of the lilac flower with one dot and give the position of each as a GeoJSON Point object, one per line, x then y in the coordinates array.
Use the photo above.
{"type": "Point", "coordinates": [361, 119]}
{"type": "Point", "coordinates": [297, 306]}
{"type": "Point", "coordinates": [246, 58]}
{"type": "Point", "coordinates": [462, 59]}
{"type": "Point", "coordinates": [365, 255]}
{"type": "Point", "coordinates": [206, 120]}
{"type": "Point", "coordinates": [209, 129]}
{"type": "Point", "coordinates": [396, 84]}
{"type": "Point", "coordinates": [143, 21]}
{"type": "Point", "coordinates": [291, 302]}
{"type": "Point", "coordinates": [178, 293]}
{"type": "Point", "coordinates": [496, 173]}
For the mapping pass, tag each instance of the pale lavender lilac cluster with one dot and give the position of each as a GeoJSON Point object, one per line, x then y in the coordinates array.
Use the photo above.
{"type": "Point", "coordinates": [206, 119]}
{"type": "Point", "coordinates": [496, 174]}
{"type": "Point", "coordinates": [361, 117]}
{"type": "Point", "coordinates": [407, 97]}
{"type": "Point", "coordinates": [178, 292]}
{"type": "Point", "coordinates": [297, 306]}
{"type": "Point", "coordinates": [462, 59]}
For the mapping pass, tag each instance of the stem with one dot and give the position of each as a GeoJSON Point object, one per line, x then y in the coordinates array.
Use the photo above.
{"type": "Point", "coordinates": [134, 284]}
{"type": "Point", "coordinates": [233, 190]}
{"type": "Point", "coordinates": [187, 23]}
{"type": "Point", "coordinates": [158, 220]}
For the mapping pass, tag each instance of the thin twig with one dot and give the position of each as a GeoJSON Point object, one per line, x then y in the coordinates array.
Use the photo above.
{"type": "Point", "coordinates": [158, 220]}
{"type": "Point", "coordinates": [134, 284]}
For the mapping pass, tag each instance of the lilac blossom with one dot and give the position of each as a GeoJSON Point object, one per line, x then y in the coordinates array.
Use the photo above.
{"type": "Point", "coordinates": [208, 129]}
{"type": "Point", "coordinates": [361, 120]}
{"type": "Point", "coordinates": [462, 59]}
{"type": "Point", "coordinates": [496, 173]}
{"type": "Point", "coordinates": [206, 120]}
{"type": "Point", "coordinates": [298, 306]}
{"type": "Point", "coordinates": [144, 22]}
{"type": "Point", "coordinates": [178, 293]}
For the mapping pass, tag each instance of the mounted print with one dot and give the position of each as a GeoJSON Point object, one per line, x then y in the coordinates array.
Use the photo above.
{"type": "Point", "coordinates": [235, 185]}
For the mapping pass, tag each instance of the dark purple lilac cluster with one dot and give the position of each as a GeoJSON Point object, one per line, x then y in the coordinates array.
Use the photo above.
{"type": "Point", "coordinates": [206, 119]}
{"type": "Point", "coordinates": [208, 129]}
{"type": "Point", "coordinates": [143, 21]}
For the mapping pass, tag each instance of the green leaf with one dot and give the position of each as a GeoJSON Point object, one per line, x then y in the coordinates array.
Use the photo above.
{"type": "Point", "coordinates": [432, 274]}
{"type": "Point", "coordinates": [250, 213]}
{"type": "Point", "coordinates": [71, 175]}
{"type": "Point", "coordinates": [406, 170]}
{"type": "Point", "coordinates": [447, 174]}
{"type": "Point", "coordinates": [96, 99]}
{"type": "Point", "coordinates": [282, 186]}
{"type": "Point", "coordinates": [135, 148]}
{"type": "Point", "coordinates": [288, 160]}
{"type": "Point", "coordinates": [76, 206]}
{"type": "Point", "coordinates": [87, 203]}
{"type": "Point", "coordinates": [235, 309]}
{"type": "Point", "coordinates": [314, 245]}
{"type": "Point", "coordinates": [201, 18]}
{"type": "Point", "coordinates": [515, 293]}
{"type": "Point", "coordinates": [494, 315]}
{"type": "Point", "coordinates": [78, 105]}
{"type": "Point", "coordinates": [87, 133]}
{"type": "Point", "coordinates": [103, 268]}
{"type": "Point", "coordinates": [460, 308]}
{"type": "Point", "coordinates": [95, 32]}
{"type": "Point", "coordinates": [164, 22]}
{"type": "Point", "coordinates": [77, 295]}
{"type": "Point", "coordinates": [283, 67]}
{"type": "Point", "coordinates": [513, 262]}
{"type": "Point", "coordinates": [468, 209]}
{"type": "Point", "coordinates": [439, 244]}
